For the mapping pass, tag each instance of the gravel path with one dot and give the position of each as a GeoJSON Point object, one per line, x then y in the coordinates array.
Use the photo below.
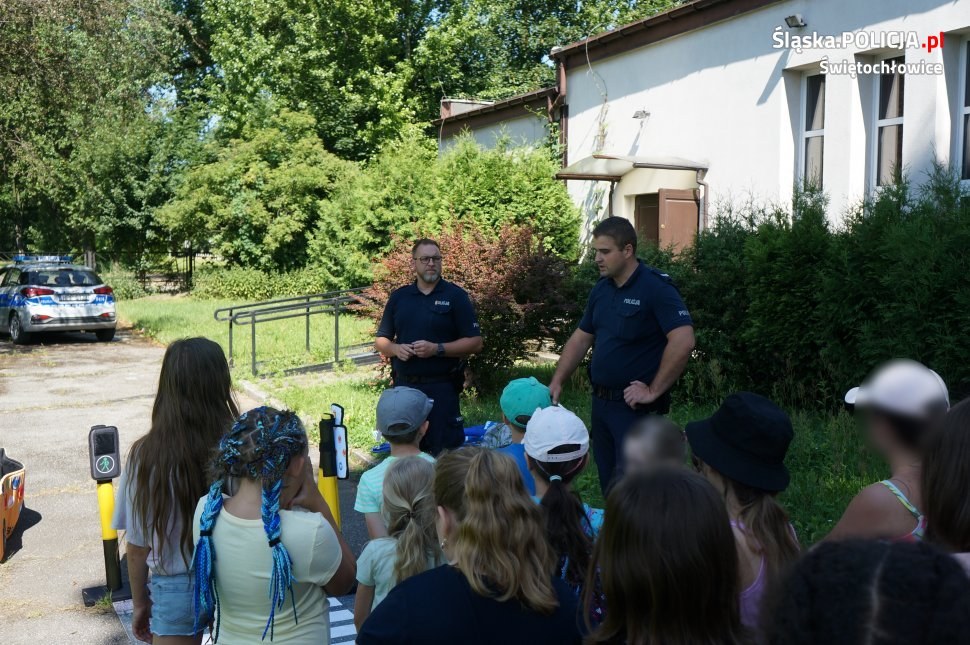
{"type": "Point", "coordinates": [51, 393]}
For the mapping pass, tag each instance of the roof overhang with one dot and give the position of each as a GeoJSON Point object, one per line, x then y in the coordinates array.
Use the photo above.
{"type": "Point", "coordinates": [518, 105]}
{"type": "Point", "coordinates": [677, 20]}
{"type": "Point", "coordinates": [606, 167]}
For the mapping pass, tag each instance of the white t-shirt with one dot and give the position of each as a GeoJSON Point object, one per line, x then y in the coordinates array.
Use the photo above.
{"type": "Point", "coordinates": [242, 567]}
{"type": "Point", "coordinates": [170, 562]}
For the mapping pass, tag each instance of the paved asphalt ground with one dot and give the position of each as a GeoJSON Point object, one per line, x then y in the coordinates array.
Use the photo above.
{"type": "Point", "coordinates": [51, 393]}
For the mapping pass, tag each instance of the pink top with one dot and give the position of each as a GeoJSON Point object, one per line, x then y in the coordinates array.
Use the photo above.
{"type": "Point", "coordinates": [750, 599]}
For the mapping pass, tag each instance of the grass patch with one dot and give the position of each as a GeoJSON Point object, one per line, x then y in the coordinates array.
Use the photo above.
{"type": "Point", "coordinates": [828, 459]}
{"type": "Point", "coordinates": [279, 344]}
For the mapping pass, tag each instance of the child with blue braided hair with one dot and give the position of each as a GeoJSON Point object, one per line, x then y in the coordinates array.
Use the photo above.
{"type": "Point", "coordinates": [267, 555]}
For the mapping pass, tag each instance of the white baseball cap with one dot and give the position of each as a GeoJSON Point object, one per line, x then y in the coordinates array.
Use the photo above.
{"type": "Point", "coordinates": [552, 427]}
{"type": "Point", "coordinates": [902, 387]}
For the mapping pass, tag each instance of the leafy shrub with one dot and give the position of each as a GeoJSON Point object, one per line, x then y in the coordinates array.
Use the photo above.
{"type": "Point", "coordinates": [504, 186]}
{"type": "Point", "coordinates": [786, 260]}
{"type": "Point", "coordinates": [256, 200]}
{"type": "Point", "coordinates": [233, 283]}
{"type": "Point", "coordinates": [298, 282]}
{"type": "Point", "coordinates": [785, 305]}
{"type": "Point", "coordinates": [409, 188]}
{"type": "Point", "coordinates": [900, 284]}
{"type": "Point", "coordinates": [238, 283]}
{"type": "Point", "coordinates": [124, 283]}
{"type": "Point", "coordinates": [515, 285]}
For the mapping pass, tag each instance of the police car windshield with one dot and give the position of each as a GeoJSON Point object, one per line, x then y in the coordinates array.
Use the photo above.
{"type": "Point", "coordinates": [60, 277]}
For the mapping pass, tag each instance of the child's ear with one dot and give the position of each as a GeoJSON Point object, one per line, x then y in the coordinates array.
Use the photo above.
{"type": "Point", "coordinates": [445, 523]}
{"type": "Point", "coordinates": [297, 464]}
{"type": "Point", "coordinates": [423, 430]}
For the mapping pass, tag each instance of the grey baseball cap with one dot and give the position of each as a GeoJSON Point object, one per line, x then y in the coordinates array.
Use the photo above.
{"type": "Point", "coordinates": [402, 410]}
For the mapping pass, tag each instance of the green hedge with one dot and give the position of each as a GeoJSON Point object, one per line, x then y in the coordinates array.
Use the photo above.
{"type": "Point", "coordinates": [244, 284]}
{"type": "Point", "coordinates": [788, 305]}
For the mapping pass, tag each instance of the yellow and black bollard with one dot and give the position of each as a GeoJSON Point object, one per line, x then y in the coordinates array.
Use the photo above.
{"type": "Point", "coordinates": [103, 452]}
{"type": "Point", "coordinates": [109, 536]}
{"type": "Point", "coordinates": [333, 458]}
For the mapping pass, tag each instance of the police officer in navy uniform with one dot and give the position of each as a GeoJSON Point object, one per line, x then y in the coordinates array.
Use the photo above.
{"type": "Point", "coordinates": [641, 334]}
{"type": "Point", "coordinates": [428, 328]}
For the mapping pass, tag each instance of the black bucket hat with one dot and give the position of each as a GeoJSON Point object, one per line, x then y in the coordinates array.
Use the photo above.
{"type": "Point", "coordinates": [745, 440]}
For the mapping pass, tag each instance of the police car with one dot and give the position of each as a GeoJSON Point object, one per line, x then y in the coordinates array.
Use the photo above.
{"type": "Point", "coordinates": [49, 293]}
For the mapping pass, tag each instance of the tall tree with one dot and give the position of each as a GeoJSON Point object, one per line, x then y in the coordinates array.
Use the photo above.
{"type": "Point", "coordinates": [339, 60]}
{"type": "Point", "coordinates": [255, 200]}
{"type": "Point", "coordinates": [65, 68]}
{"type": "Point", "coordinates": [366, 68]}
{"type": "Point", "coordinates": [495, 48]}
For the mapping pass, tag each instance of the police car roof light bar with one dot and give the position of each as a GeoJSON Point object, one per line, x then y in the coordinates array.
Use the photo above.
{"type": "Point", "coordinates": [57, 259]}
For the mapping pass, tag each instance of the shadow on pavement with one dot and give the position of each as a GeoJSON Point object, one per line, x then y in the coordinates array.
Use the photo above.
{"type": "Point", "coordinates": [53, 339]}
{"type": "Point", "coordinates": [29, 518]}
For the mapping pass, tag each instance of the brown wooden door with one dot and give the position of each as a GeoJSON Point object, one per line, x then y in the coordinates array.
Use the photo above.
{"type": "Point", "coordinates": [678, 211]}
{"type": "Point", "coordinates": [647, 217]}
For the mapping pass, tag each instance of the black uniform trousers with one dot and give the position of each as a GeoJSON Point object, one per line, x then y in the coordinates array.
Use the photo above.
{"type": "Point", "coordinates": [612, 417]}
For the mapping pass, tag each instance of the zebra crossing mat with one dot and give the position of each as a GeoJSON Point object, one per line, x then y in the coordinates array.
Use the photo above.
{"type": "Point", "coordinates": [342, 628]}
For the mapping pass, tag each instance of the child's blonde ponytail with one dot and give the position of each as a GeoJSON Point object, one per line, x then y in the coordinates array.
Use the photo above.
{"type": "Point", "coordinates": [409, 511]}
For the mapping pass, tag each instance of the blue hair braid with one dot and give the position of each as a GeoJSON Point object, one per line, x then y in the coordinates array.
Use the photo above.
{"type": "Point", "coordinates": [206, 596]}
{"type": "Point", "coordinates": [281, 579]}
{"type": "Point", "coordinates": [259, 446]}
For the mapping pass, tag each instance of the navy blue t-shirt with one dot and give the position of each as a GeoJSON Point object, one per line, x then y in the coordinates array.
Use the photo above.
{"type": "Point", "coordinates": [444, 315]}
{"type": "Point", "coordinates": [631, 324]}
{"type": "Point", "coordinates": [438, 607]}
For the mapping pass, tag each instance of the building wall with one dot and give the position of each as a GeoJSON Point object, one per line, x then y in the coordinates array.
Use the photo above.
{"type": "Point", "coordinates": [525, 130]}
{"type": "Point", "coordinates": [726, 96]}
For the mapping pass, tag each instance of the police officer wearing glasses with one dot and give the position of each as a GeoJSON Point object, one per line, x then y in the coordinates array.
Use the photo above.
{"type": "Point", "coordinates": [643, 337]}
{"type": "Point", "coordinates": [428, 329]}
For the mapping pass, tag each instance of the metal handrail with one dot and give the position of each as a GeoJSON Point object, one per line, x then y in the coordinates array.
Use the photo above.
{"type": "Point", "coordinates": [220, 314]}
{"type": "Point", "coordinates": [332, 302]}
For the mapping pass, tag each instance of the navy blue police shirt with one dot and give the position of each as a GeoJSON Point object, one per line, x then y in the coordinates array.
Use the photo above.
{"type": "Point", "coordinates": [631, 324]}
{"type": "Point", "coordinates": [444, 315]}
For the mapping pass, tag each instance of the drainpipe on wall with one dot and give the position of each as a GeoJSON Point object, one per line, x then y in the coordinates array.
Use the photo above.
{"type": "Point", "coordinates": [702, 211]}
{"type": "Point", "coordinates": [609, 210]}
{"type": "Point", "coordinates": [563, 107]}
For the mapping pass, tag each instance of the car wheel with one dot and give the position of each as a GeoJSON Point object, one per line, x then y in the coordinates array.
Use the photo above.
{"type": "Point", "coordinates": [105, 335]}
{"type": "Point", "coordinates": [17, 333]}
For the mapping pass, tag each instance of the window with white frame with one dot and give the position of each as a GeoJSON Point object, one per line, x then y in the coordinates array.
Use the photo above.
{"type": "Point", "coordinates": [813, 129]}
{"type": "Point", "coordinates": [889, 125]}
{"type": "Point", "coordinates": [965, 114]}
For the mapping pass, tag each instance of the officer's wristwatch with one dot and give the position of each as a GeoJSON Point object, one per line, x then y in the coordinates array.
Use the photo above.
{"type": "Point", "coordinates": [441, 349]}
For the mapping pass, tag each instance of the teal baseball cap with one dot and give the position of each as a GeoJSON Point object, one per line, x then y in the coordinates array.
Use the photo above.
{"type": "Point", "coordinates": [521, 398]}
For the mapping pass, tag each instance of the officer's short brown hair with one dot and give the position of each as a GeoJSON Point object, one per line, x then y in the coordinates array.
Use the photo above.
{"type": "Point", "coordinates": [619, 229]}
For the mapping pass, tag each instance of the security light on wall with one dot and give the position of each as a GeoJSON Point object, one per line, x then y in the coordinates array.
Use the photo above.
{"type": "Point", "coordinates": [796, 21]}
{"type": "Point", "coordinates": [641, 115]}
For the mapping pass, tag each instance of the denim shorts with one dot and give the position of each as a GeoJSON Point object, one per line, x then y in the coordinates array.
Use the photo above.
{"type": "Point", "coordinates": [173, 609]}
